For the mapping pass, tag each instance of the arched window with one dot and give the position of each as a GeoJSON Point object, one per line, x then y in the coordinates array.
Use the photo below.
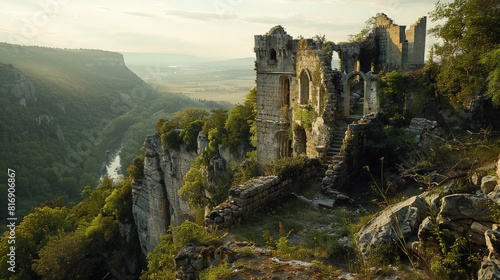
{"type": "Point", "coordinates": [284, 144]}
{"type": "Point", "coordinates": [304, 87]}
{"type": "Point", "coordinates": [285, 91]}
{"type": "Point", "coordinates": [273, 55]}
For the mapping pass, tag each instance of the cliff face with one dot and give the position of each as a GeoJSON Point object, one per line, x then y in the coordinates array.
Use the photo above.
{"type": "Point", "coordinates": [14, 84]}
{"type": "Point", "coordinates": [156, 202]}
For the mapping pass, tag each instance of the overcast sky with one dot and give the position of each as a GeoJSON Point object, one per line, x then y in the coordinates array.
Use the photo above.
{"type": "Point", "coordinates": [206, 28]}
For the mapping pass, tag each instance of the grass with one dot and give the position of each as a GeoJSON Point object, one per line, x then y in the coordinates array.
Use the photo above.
{"type": "Point", "coordinates": [216, 272]}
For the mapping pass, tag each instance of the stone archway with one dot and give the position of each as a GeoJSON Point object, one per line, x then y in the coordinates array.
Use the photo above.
{"type": "Point", "coordinates": [283, 144]}
{"type": "Point", "coordinates": [305, 87]}
{"type": "Point", "coordinates": [346, 95]}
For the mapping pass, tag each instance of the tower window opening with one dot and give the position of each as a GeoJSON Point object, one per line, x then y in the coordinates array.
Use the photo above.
{"type": "Point", "coordinates": [273, 55]}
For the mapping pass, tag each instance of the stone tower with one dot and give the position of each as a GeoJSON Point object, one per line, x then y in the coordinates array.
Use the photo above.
{"type": "Point", "coordinates": [415, 36]}
{"type": "Point", "coordinates": [400, 48]}
{"type": "Point", "coordinates": [275, 61]}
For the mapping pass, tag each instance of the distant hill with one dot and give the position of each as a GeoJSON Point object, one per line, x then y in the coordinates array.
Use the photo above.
{"type": "Point", "coordinates": [197, 77]}
{"type": "Point", "coordinates": [147, 59]}
{"type": "Point", "coordinates": [55, 104]}
{"type": "Point", "coordinates": [62, 110]}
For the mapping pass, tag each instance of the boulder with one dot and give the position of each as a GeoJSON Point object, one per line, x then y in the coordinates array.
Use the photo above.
{"type": "Point", "coordinates": [397, 221]}
{"type": "Point", "coordinates": [495, 195]}
{"type": "Point", "coordinates": [426, 229]}
{"type": "Point", "coordinates": [466, 215]}
{"type": "Point", "coordinates": [490, 269]}
{"type": "Point", "coordinates": [193, 258]}
{"type": "Point", "coordinates": [464, 206]}
{"type": "Point", "coordinates": [492, 237]}
{"type": "Point", "coordinates": [488, 184]}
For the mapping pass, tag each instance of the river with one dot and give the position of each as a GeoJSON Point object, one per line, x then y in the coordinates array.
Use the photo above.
{"type": "Point", "coordinates": [113, 169]}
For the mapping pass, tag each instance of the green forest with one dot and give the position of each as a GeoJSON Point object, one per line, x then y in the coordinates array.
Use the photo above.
{"type": "Point", "coordinates": [87, 104]}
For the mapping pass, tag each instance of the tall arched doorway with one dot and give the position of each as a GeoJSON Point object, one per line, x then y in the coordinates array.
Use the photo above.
{"type": "Point", "coordinates": [355, 94]}
{"type": "Point", "coordinates": [284, 144]}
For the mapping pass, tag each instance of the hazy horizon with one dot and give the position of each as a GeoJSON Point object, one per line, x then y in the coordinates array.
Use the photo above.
{"type": "Point", "coordinates": [216, 29]}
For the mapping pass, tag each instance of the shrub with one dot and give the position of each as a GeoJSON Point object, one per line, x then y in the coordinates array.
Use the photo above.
{"type": "Point", "coordinates": [161, 261]}
{"type": "Point", "coordinates": [189, 134]}
{"type": "Point", "coordinates": [136, 169]}
{"type": "Point", "coordinates": [171, 139]}
{"type": "Point", "coordinates": [216, 272]}
{"type": "Point", "coordinates": [285, 167]}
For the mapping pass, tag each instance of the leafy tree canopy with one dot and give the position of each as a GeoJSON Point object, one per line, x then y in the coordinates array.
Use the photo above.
{"type": "Point", "coordinates": [469, 51]}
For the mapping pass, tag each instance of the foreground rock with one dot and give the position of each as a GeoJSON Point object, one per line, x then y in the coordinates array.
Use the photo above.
{"type": "Point", "coordinates": [398, 221]}
{"type": "Point", "coordinates": [193, 258]}
{"type": "Point", "coordinates": [467, 216]}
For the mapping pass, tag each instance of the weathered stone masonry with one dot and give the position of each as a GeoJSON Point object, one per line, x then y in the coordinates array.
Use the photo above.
{"type": "Point", "coordinates": [251, 197]}
{"type": "Point", "coordinates": [300, 97]}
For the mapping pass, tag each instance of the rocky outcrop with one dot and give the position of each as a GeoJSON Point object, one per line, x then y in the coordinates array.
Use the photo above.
{"type": "Point", "coordinates": [400, 221]}
{"type": "Point", "coordinates": [156, 202]}
{"type": "Point", "coordinates": [13, 83]}
{"type": "Point", "coordinates": [490, 266]}
{"type": "Point", "coordinates": [194, 258]}
{"type": "Point", "coordinates": [465, 215]}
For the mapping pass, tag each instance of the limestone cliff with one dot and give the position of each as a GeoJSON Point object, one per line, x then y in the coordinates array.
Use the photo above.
{"type": "Point", "coordinates": [156, 202]}
{"type": "Point", "coordinates": [13, 83]}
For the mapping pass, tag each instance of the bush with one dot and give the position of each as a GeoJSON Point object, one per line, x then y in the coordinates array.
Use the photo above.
{"type": "Point", "coordinates": [190, 133]}
{"type": "Point", "coordinates": [136, 169]}
{"type": "Point", "coordinates": [171, 139]}
{"type": "Point", "coordinates": [286, 167]}
{"type": "Point", "coordinates": [161, 261]}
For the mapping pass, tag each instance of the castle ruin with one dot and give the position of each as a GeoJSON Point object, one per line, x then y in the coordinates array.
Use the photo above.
{"type": "Point", "coordinates": [303, 103]}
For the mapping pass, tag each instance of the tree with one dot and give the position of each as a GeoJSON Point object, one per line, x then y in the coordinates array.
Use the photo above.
{"type": "Point", "coordinates": [492, 61]}
{"type": "Point", "coordinates": [187, 116]}
{"type": "Point", "coordinates": [65, 257]}
{"type": "Point", "coordinates": [469, 37]}
{"type": "Point", "coordinates": [136, 169]}
{"type": "Point", "coordinates": [32, 234]}
{"type": "Point", "coordinates": [190, 134]}
{"type": "Point", "coordinates": [363, 34]}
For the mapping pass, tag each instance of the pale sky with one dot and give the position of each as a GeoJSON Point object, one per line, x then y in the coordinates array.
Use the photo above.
{"type": "Point", "coordinates": [206, 28]}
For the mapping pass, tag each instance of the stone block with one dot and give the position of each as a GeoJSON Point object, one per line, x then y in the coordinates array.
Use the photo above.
{"type": "Point", "coordinates": [488, 184]}
{"type": "Point", "coordinates": [492, 237]}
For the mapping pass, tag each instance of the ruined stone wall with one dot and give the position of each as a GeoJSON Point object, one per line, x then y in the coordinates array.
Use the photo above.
{"type": "Point", "coordinates": [371, 104]}
{"type": "Point", "coordinates": [394, 51]}
{"type": "Point", "coordinates": [416, 42]}
{"type": "Point", "coordinates": [400, 48]}
{"type": "Point", "coordinates": [321, 94]}
{"type": "Point", "coordinates": [348, 55]}
{"type": "Point", "coordinates": [251, 197]}
{"type": "Point", "coordinates": [351, 158]}
{"type": "Point", "coordinates": [245, 199]}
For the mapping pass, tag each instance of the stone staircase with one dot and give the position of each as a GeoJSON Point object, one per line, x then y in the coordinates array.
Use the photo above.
{"type": "Point", "coordinates": [338, 138]}
{"type": "Point", "coordinates": [340, 128]}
